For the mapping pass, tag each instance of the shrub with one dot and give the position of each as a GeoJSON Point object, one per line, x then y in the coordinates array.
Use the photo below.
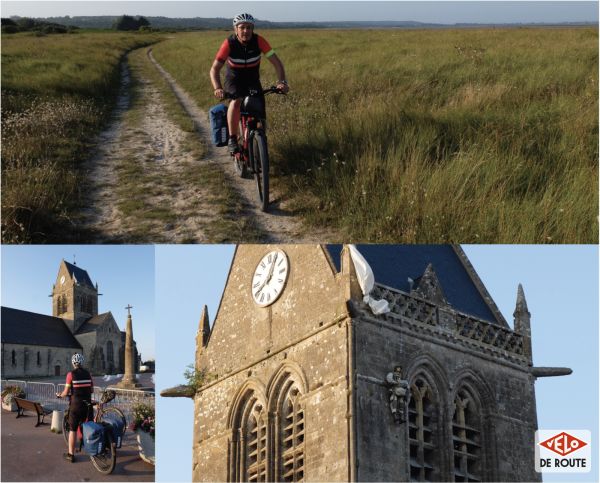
{"type": "Point", "coordinates": [11, 392]}
{"type": "Point", "coordinates": [143, 418]}
{"type": "Point", "coordinates": [10, 29]}
{"type": "Point", "coordinates": [198, 378]}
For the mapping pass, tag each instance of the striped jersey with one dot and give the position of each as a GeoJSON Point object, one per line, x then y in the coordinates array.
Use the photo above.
{"type": "Point", "coordinates": [243, 61]}
{"type": "Point", "coordinates": [81, 383]}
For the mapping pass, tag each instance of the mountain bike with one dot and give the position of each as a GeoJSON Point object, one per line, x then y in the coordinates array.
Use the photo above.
{"type": "Point", "coordinates": [106, 461]}
{"type": "Point", "coordinates": [252, 157]}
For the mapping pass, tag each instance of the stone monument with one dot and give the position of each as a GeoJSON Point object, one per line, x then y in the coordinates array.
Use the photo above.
{"type": "Point", "coordinates": [129, 380]}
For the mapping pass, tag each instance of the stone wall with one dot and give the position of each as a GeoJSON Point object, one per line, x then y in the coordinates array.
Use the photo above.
{"type": "Point", "coordinates": [305, 334]}
{"type": "Point", "coordinates": [504, 387]}
{"type": "Point", "coordinates": [26, 361]}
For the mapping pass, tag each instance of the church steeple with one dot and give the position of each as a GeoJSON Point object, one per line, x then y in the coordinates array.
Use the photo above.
{"type": "Point", "coordinates": [74, 297]}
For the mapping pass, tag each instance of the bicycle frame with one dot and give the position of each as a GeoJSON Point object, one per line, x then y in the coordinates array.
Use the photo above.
{"type": "Point", "coordinates": [253, 138]}
{"type": "Point", "coordinates": [249, 127]}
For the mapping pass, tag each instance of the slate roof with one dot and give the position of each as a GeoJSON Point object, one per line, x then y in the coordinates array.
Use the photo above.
{"type": "Point", "coordinates": [22, 327]}
{"type": "Point", "coordinates": [92, 324]}
{"type": "Point", "coordinates": [392, 265]}
{"type": "Point", "coordinates": [80, 274]}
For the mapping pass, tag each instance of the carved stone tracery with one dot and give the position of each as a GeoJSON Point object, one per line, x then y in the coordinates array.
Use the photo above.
{"type": "Point", "coordinates": [465, 326]}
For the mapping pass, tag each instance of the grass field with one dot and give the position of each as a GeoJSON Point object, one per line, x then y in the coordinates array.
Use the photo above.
{"type": "Point", "coordinates": [57, 93]}
{"type": "Point", "coordinates": [429, 136]}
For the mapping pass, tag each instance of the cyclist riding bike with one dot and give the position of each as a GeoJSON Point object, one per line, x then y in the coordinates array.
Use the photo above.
{"type": "Point", "coordinates": [81, 387]}
{"type": "Point", "coordinates": [242, 52]}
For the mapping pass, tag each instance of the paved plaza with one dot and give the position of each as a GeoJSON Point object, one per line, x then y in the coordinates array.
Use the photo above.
{"type": "Point", "coordinates": [35, 454]}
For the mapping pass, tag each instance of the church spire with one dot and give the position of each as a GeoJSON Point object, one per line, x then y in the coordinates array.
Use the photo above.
{"type": "Point", "coordinates": [521, 307]}
{"type": "Point", "coordinates": [522, 321]}
{"type": "Point", "coordinates": [429, 286]}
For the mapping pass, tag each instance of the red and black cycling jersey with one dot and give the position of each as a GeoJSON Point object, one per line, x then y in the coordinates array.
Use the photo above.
{"type": "Point", "coordinates": [81, 383]}
{"type": "Point", "coordinates": [243, 61]}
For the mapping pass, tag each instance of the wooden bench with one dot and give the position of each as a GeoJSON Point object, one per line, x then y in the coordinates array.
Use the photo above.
{"type": "Point", "coordinates": [26, 405]}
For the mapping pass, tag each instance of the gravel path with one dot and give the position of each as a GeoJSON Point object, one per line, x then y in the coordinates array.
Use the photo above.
{"type": "Point", "coordinates": [168, 208]}
{"type": "Point", "coordinates": [280, 225]}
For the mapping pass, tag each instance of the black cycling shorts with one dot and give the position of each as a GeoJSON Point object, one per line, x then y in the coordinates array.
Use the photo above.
{"type": "Point", "coordinates": [239, 87]}
{"type": "Point", "coordinates": [79, 412]}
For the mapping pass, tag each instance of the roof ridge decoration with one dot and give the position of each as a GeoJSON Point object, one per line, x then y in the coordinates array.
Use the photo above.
{"type": "Point", "coordinates": [460, 327]}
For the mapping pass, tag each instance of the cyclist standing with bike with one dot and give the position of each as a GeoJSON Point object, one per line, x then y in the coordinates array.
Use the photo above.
{"type": "Point", "coordinates": [81, 386]}
{"type": "Point", "coordinates": [242, 52]}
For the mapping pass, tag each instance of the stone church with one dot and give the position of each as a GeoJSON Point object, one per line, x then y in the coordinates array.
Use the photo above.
{"type": "Point", "coordinates": [37, 345]}
{"type": "Point", "coordinates": [305, 382]}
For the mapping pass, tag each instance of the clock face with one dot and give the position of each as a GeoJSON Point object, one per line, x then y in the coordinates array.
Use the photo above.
{"type": "Point", "coordinates": [62, 279]}
{"type": "Point", "coordinates": [269, 278]}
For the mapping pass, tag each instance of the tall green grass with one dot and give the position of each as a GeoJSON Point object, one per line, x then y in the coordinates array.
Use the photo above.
{"type": "Point", "coordinates": [57, 93]}
{"type": "Point", "coordinates": [429, 136]}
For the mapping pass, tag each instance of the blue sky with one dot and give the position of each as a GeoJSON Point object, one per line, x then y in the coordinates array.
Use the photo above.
{"type": "Point", "coordinates": [125, 275]}
{"type": "Point", "coordinates": [561, 287]}
{"type": "Point", "coordinates": [424, 11]}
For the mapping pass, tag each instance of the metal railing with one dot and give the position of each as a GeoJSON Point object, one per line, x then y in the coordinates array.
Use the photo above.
{"type": "Point", "coordinates": [45, 394]}
{"type": "Point", "coordinates": [42, 392]}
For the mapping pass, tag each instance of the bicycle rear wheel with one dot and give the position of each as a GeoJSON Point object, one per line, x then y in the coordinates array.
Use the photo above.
{"type": "Point", "coordinates": [106, 461]}
{"type": "Point", "coordinates": [261, 168]}
{"type": "Point", "coordinates": [116, 413]}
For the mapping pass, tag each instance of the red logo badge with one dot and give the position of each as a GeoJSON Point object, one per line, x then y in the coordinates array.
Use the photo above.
{"type": "Point", "coordinates": [563, 444]}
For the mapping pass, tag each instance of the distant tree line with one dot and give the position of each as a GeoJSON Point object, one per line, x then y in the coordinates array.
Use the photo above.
{"type": "Point", "coordinates": [25, 24]}
{"type": "Point", "coordinates": [126, 22]}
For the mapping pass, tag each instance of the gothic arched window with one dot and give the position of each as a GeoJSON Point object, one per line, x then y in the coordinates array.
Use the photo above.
{"type": "Point", "coordinates": [267, 441]}
{"type": "Point", "coordinates": [466, 437]}
{"type": "Point", "coordinates": [290, 464]}
{"type": "Point", "coordinates": [61, 304]}
{"type": "Point", "coordinates": [255, 451]}
{"type": "Point", "coordinates": [14, 358]}
{"type": "Point", "coordinates": [248, 449]}
{"type": "Point", "coordinates": [423, 432]}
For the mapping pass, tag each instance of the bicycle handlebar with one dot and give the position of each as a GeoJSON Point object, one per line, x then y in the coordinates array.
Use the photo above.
{"type": "Point", "coordinates": [269, 90]}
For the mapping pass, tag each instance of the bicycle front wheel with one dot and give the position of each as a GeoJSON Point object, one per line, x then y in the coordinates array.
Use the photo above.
{"type": "Point", "coordinates": [261, 168]}
{"type": "Point", "coordinates": [114, 413]}
{"type": "Point", "coordinates": [66, 428]}
{"type": "Point", "coordinates": [238, 159]}
{"type": "Point", "coordinates": [106, 461]}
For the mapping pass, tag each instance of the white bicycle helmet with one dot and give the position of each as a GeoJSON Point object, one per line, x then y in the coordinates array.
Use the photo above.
{"type": "Point", "coordinates": [77, 359]}
{"type": "Point", "coordinates": [243, 18]}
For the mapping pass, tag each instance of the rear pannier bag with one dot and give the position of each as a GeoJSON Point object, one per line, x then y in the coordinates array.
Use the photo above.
{"type": "Point", "coordinates": [93, 438]}
{"type": "Point", "coordinates": [218, 125]}
{"type": "Point", "coordinates": [116, 425]}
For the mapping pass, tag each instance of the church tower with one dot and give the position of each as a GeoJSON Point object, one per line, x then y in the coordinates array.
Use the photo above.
{"type": "Point", "coordinates": [306, 380]}
{"type": "Point", "coordinates": [74, 297]}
